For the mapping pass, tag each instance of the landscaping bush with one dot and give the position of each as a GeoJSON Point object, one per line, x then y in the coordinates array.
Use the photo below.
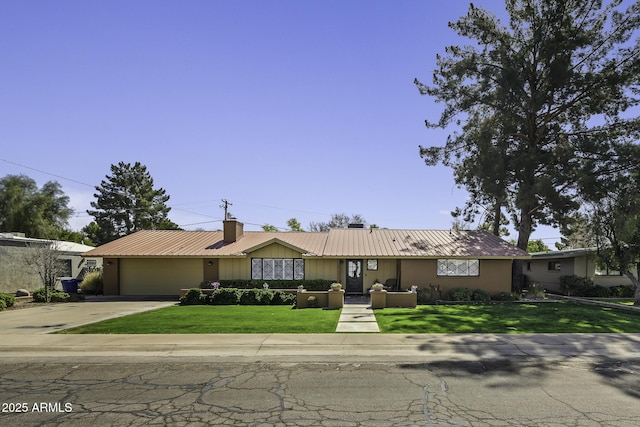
{"type": "Point", "coordinates": [283, 298]}
{"type": "Point", "coordinates": [92, 283]}
{"type": "Point", "coordinates": [255, 297]}
{"type": "Point", "coordinates": [424, 297]}
{"type": "Point", "coordinates": [507, 296]}
{"type": "Point", "coordinates": [39, 295]}
{"type": "Point", "coordinates": [598, 291]}
{"type": "Point", "coordinates": [535, 291]}
{"type": "Point", "coordinates": [310, 285]}
{"type": "Point", "coordinates": [460, 294]}
{"type": "Point", "coordinates": [480, 295]}
{"type": "Point", "coordinates": [8, 300]}
{"type": "Point", "coordinates": [3, 305]}
{"type": "Point", "coordinates": [225, 297]}
{"type": "Point", "coordinates": [575, 286]}
{"type": "Point", "coordinates": [623, 291]}
{"type": "Point", "coordinates": [192, 297]}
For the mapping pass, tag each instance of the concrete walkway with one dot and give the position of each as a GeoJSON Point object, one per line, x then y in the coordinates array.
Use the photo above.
{"type": "Point", "coordinates": [357, 318]}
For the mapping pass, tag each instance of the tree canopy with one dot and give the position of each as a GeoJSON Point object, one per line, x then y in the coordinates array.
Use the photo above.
{"type": "Point", "coordinates": [339, 220]}
{"type": "Point", "coordinates": [126, 202]}
{"type": "Point", "coordinates": [532, 101]}
{"type": "Point", "coordinates": [613, 212]}
{"type": "Point", "coordinates": [37, 212]}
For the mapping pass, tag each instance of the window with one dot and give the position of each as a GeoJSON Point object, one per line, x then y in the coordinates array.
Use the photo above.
{"type": "Point", "coordinates": [92, 263]}
{"type": "Point", "coordinates": [372, 264]}
{"type": "Point", "coordinates": [554, 266]}
{"type": "Point", "coordinates": [277, 269]}
{"type": "Point", "coordinates": [606, 271]}
{"type": "Point", "coordinates": [64, 268]}
{"type": "Point", "coordinates": [458, 267]}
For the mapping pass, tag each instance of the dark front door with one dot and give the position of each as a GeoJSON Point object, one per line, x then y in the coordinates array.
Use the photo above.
{"type": "Point", "coordinates": [354, 276]}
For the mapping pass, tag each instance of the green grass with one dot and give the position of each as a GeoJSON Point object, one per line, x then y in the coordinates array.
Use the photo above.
{"type": "Point", "coordinates": [221, 319]}
{"type": "Point", "coordinates": [515, 318]}
{"type": "Point", "coordinates": [617, 301]}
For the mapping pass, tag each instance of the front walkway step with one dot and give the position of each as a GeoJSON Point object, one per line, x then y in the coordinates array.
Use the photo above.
{"type": "Point", "coordinates": [357, 318]}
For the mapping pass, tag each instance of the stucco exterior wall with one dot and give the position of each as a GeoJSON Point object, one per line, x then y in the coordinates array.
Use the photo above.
{"type": "Point", "coordinates": [494, 277]}
{"type": "Point", "coordinates": [159, 276]}
{"type": "Point", "coordinates": [16, 274]}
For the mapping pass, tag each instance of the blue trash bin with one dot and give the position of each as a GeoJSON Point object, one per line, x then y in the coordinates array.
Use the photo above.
{"type": "Point", "coordinates": [70, 286]}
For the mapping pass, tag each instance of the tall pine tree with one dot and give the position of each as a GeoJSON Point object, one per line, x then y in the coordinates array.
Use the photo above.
{"type": "Point", "coordinates": [126, 202]}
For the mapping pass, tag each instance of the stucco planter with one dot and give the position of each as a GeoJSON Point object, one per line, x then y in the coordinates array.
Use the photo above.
{"type": "Point", "coordinates": [378, 299]}
{"type": "Point", "coordinates": [402, 299]}
{"type": "Point", "coordinates": [321, 297]}
{"type": "Point", "coordinates": [335, 299]}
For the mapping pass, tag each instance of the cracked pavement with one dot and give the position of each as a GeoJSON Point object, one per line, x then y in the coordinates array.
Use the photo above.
{"type": "Point", "coordinates": [516, 392]}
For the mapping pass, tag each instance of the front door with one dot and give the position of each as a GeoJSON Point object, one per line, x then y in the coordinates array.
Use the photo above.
{"type": "Point", "coordinates": [354, 276]}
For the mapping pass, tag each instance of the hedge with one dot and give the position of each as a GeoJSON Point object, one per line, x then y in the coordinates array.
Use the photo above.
{"type": "Point", "coordinates": [233, 296]}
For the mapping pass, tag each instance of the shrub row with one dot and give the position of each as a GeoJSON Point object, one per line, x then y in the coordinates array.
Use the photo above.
{"type": "Point", "coordinates": [233, 296]}
{"type": "Point", "coordinates": [584, 287]}
{"type": "Point", "coordinates": [310, 285]}
{"type": "Point", "coordinates": [6, 301]}
{"type": "Point", "coordinates": [466, 294]}
{"type": "Point", "coordinates": [40, 295]}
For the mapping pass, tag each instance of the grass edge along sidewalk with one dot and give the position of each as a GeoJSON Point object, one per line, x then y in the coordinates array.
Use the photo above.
{"type": "Point", "coordinates": [509, 318]}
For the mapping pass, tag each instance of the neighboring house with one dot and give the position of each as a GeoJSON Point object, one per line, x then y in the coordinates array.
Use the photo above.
{"type": "Point", "coordinates": [161, 262]}
{"type": "Point", "coordinates": [546, 268]}
{"type": "Point", "coordinates": [15, 274]}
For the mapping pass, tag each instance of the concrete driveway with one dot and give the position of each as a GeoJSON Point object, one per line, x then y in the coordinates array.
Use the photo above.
{"type": "Point", "coordinates": [55, 317]}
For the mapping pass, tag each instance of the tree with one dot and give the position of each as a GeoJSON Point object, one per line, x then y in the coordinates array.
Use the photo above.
{"type": "Point", "coordinates": [576, 233]}
{"type": "Point", "coordinates": [339, 220]}
{"type": "Point", "coordinates": [38, 213]}
{"type": "Point", "coordinates": [126, 202]}
{"type": "Point", "coordinates": [269, 227]}
{"type": "Point", "coordinates": [532, 101]}
{"type": "Point", "coordinates": [537, 246]}
{"type": "Point", "coordinates": [613, 201]}
{"type": "Point", "coordinates": [294, 225]}
{"type": "Point", "coordinates": [45, 260]}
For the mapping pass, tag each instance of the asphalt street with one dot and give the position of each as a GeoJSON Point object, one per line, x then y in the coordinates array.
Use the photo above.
{"type": "Point", "coordinates": [522, 392]}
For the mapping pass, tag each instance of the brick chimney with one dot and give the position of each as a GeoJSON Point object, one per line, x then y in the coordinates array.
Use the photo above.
{"type": "Point", "coordinates": [233, 230]}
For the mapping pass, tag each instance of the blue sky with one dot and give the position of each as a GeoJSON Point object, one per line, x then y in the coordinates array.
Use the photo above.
{"type": "Point", "coordinates": [298, 108]}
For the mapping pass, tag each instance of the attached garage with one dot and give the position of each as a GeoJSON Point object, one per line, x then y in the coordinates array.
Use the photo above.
{"type": "Point", "coordinates": [159, 276]}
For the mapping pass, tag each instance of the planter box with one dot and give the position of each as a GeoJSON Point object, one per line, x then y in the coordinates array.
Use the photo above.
{"type": "Point", "coordinates": [382, 299]}
{"type": "Point", "coordinates": [402, 299]}
{"type": "Point", "coordinates": [322, 298]}
{"type": "Point", "coordinates": [335, 299]}
{"type": "Point", "coordinates": [378, 299]}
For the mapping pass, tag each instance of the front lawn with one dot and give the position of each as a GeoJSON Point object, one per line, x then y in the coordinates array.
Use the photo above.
{"type": "Point", "coordinates": [218, 319]}
{"type": "Point", "coordinates": [508, 318]}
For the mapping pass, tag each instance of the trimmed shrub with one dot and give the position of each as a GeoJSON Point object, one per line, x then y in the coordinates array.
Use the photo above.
{"type": "Point", "coordinates": [622, 291]}
{"type": "Point", "coordinates": [598, 291]}
{"type": "Point", "coordinates": [460, 294]}
{"type": "Point", "coordinates": [283, 298]}
{"type": "Point", "coordinates": [424, 296]}
{"type": "Point", "coordinates": [575, 286]}
{"type": "Point", "coordinates": [311, 285]}
{"type": "Point", "coordinates": [192, 297]}
{"type": "Point", "coordinates": [3, 305]}
{"type": "Point", "coordinates": [9, 300]}
{"type": "Point", "coordinates": [225, 297]}
{"type": "Point", "coordinates": [39, 295]}
{"type": "Point", "coordinates": [255, 297]}
{"type": "Point", "coordinates": [92, 283]}
{"type": "Point", "coordinates": [480, 295]}
{"type": "Point", "coordinates": [507, 296]}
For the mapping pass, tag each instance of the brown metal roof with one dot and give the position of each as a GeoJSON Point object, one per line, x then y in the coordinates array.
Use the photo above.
{"type": "Point", "coordinates": [417, 243]}
{"type": "Point", "coordinates": [177, 243]}
{"type": "Point", "coordinates": [338, 243]}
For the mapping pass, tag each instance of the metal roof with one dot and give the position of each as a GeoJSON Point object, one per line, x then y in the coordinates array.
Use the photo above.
{"type": "Point", "coordinates": [337, 243]}
{"type": "Point", "coordinates": [418, 243]}
{"type": "Point", "coordinates": [177, 243]}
